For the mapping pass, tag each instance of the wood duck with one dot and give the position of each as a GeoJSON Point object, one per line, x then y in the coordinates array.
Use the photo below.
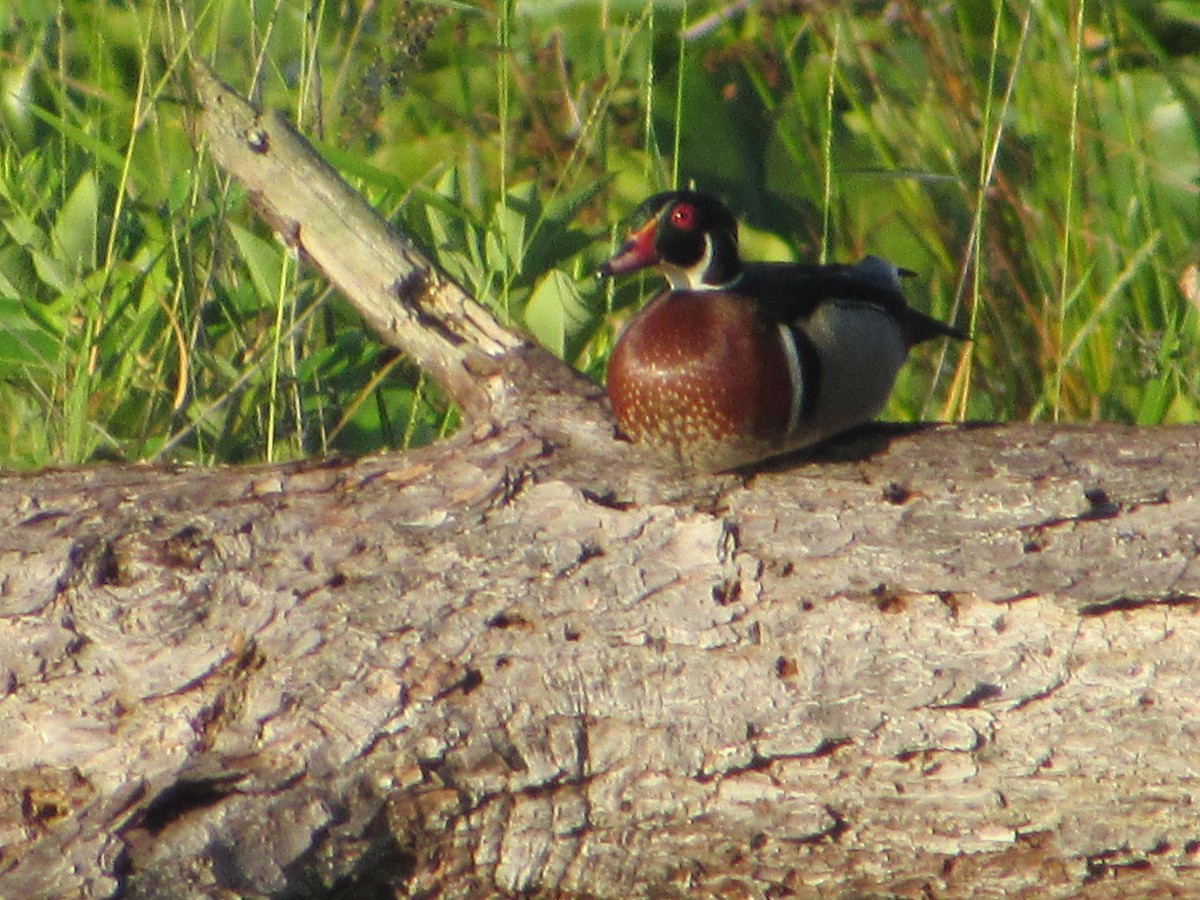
{"type": "Point", "coordinates": [735, 362]}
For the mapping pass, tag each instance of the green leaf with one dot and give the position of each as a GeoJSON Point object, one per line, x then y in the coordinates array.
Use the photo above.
{"type": "Point", "coordinates": [447, 228]}
{"type": "Point", "coordinates": [17, 277]}
{"type": "Point", "coordinates": [455, 236]}
{"type": "Point", "coordinates": [46, 263]}
{"type": "Point", "coordinates": [25, 343]}
{"type": "Point", "coordinates": [97, 148]}
{"type": "Point", "coordinates": [509, 228]}
{"type": "Point", "coordinates": [76, 228]}
{"type": "Point", "coordinates": [553, 241]}
{"type": "Point", "coordinates": [263, 260]}
{"type": "Point", "coordinates": [556, 314]}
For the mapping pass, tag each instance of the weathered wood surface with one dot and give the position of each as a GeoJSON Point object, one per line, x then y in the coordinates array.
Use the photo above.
{"type": "Point", "coordinates": [941, 662]}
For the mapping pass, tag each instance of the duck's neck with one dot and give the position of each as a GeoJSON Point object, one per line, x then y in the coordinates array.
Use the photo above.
{"type": "Point", "coordinates": [718, 267]}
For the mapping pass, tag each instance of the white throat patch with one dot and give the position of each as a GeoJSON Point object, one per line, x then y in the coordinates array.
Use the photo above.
{"type": "Point", "coordinates": [692, 277]}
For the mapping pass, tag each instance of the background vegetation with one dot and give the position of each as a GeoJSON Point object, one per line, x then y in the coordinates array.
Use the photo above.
{"type": "Point", "coordinates": [1036, 163]}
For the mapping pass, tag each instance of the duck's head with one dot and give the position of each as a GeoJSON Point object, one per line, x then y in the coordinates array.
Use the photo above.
{"type": "Point", "coordinates": [691, 237]}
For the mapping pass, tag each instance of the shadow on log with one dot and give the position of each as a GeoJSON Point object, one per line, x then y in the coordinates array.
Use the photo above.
{"type": "Point", "coordinates": [931, 662]}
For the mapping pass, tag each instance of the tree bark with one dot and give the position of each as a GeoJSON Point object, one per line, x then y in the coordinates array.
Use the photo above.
{"type": "Point", "coordinates": [943, 661]}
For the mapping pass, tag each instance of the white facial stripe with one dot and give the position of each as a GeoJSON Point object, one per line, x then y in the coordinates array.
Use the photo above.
{"type": "Point", "coordinates": [692, 278]}
{"type": "Point", "coordinates": [697, 272]}
{"type": "Point", "coordinates": [795, 375]}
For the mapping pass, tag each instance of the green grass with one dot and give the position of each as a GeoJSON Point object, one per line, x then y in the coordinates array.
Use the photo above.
{"type": "Point", "coordinates": [1038, 165]}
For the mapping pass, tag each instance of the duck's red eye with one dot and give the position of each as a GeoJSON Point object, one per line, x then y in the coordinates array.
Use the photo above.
{"type": "Point", "coordinates": [683, 216]}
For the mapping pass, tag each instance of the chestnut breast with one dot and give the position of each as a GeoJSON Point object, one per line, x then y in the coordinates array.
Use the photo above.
{"type": "Point", "coordinates": [702, 375]}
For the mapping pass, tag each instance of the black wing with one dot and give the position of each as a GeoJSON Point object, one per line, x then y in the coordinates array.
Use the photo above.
{"type": "Point", "coordinates": [792, 292]}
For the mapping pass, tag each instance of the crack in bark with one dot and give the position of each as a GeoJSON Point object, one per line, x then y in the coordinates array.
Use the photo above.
{"type": "Point", "coordinates": [607, 499]}
{"type": "Point", "coordinates": [976, 697]}
{"type": "Point", "coordinates": [762, 762]}
{"type": "Point", "coordinates": [830, 835]}
{"type": "Point", "coordinates": [1100, 507]}
{"type": "Point", "coordinates": [1131, 604]}
{"type": "Point", "coordinates": [1043, 694]}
